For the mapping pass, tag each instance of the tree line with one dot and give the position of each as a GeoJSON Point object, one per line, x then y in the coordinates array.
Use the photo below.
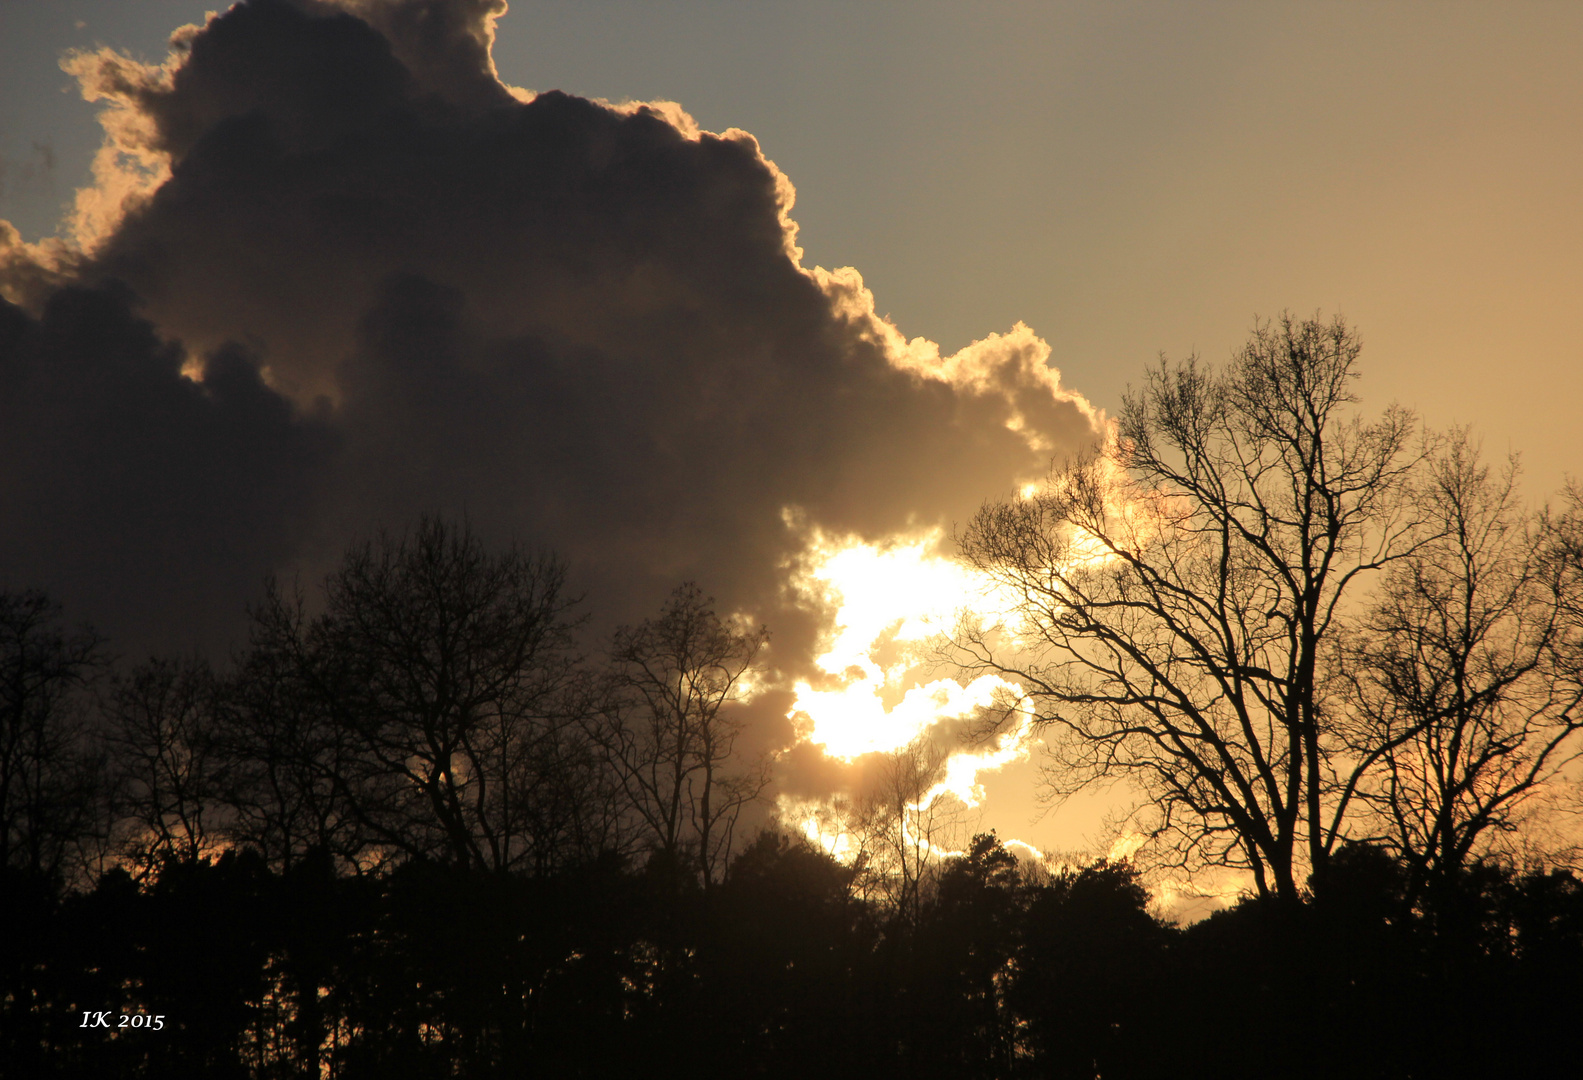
{"type": "Point", "coordinates": [435, 708]}
{"type": "Point", "coordinates": [1003, 970]}
{"type": "Point", "coordinates": [408, 830]}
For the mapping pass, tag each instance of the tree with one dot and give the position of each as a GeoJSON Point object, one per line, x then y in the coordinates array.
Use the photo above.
{"type": "Point", "coordinates": [670, 733]}
{"type": "Point", "coordinates": [1465, 672]}
{"type": "Point", "coordinates": [283, 754]}
{"type": "Point", "coordinates": [1172, 594]}
{"type": "Point", "coordinates": [1090, 982]}
{"type": "Point", "coordinates": [163, 726]}
{"type": "Point", "coordinates": [450, 674]}
{"type": "Point", "coordinates": [903, 825]}
{"type": "Point", "coordinates": [965, 944]}
{"type": "Point", "coordinates": [781, 970]}
{"type": "Point", "coordinates": [53, 783]}
{"type": "Point", "coordinates": [896, 830]}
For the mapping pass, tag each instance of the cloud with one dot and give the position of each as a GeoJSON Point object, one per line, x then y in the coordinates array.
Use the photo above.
{"type": "Point", "coordinates": [148, 500]}
{"type": "Point", "coordinates": [405, 286]}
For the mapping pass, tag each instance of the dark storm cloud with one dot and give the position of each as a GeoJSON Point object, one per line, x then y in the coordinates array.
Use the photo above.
{"type": "Point", "coordinates": [144, 499]}
{"type": "Point", "coordinates": [585, 326]}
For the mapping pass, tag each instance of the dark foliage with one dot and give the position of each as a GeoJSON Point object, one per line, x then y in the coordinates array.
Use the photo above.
{"type": "Point", "coordinates": [435, 970]}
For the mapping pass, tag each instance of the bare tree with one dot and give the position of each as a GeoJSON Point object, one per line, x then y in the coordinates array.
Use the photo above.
{"type": "Point", "coordinates": [904, 823]}
{"type": "Point", "coordinates": [1173, 594]}
{"type": "Point", "coordinates": [1465, 672]}
{"type": "Point", "coordinates": [163, 729]}
{"type": "Point", "coordinates": [452, 673]}
{"type": "Point", "coordinates": [286, 761]}
{"type": "Point", "coordinates": [670, 732]}
{"type": "Point", "coordinates": [53, 782]}
{"type": "Point", "coordinates": [895, 831]}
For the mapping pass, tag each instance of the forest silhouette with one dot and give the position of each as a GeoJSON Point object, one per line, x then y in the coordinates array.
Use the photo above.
{"type": "Point", "coordinates": [409, 830]}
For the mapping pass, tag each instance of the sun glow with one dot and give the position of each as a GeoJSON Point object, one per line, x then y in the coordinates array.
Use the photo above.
{"type": "Point", "coordinates": [883, 685]}
{"type": "Point", "coordinates": [893, 602]}
{"type": "Point", "coordinates": [887, 688]}
{"type": "Point", "coordinates": [962, 770]}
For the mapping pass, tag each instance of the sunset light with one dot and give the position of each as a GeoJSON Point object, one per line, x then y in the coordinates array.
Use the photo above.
{"type": "Point", "coordinates": [891, 604]}
{"type": "Point", "coordinates": [885, 683]}
{"type": "Point", "coordinates": [957, 541]}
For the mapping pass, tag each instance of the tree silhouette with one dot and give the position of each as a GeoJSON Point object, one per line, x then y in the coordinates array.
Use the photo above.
{"type": "Point", "coordinates": [287, 762]}
{"type": "Point", "coordinates": [387, 841]}
{"type": "Point", "coordinates": [163, 730]}
{"type": "Point", "coordinates": [435, 702]}
{"type": "Point", "coordinates": [1464, 672]}
{"type": "Point", "coordinates": [1175, 592]}
{"type": "Point", "coordinates": [451, 667]}
{"type": "Point", "coordinates": [668, 730]}
{"type": "Point", "coordinates": [53, 781]}
{"type": "Point", "coordinates": [1086, 978]}
{"type": "Point", "coordinates": [966, 941]}
{"type": "Point", "coordinates": [904, 823]}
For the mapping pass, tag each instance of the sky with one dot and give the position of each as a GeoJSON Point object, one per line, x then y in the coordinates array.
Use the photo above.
{"type": "Point", "coordinates": [591, 328]}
